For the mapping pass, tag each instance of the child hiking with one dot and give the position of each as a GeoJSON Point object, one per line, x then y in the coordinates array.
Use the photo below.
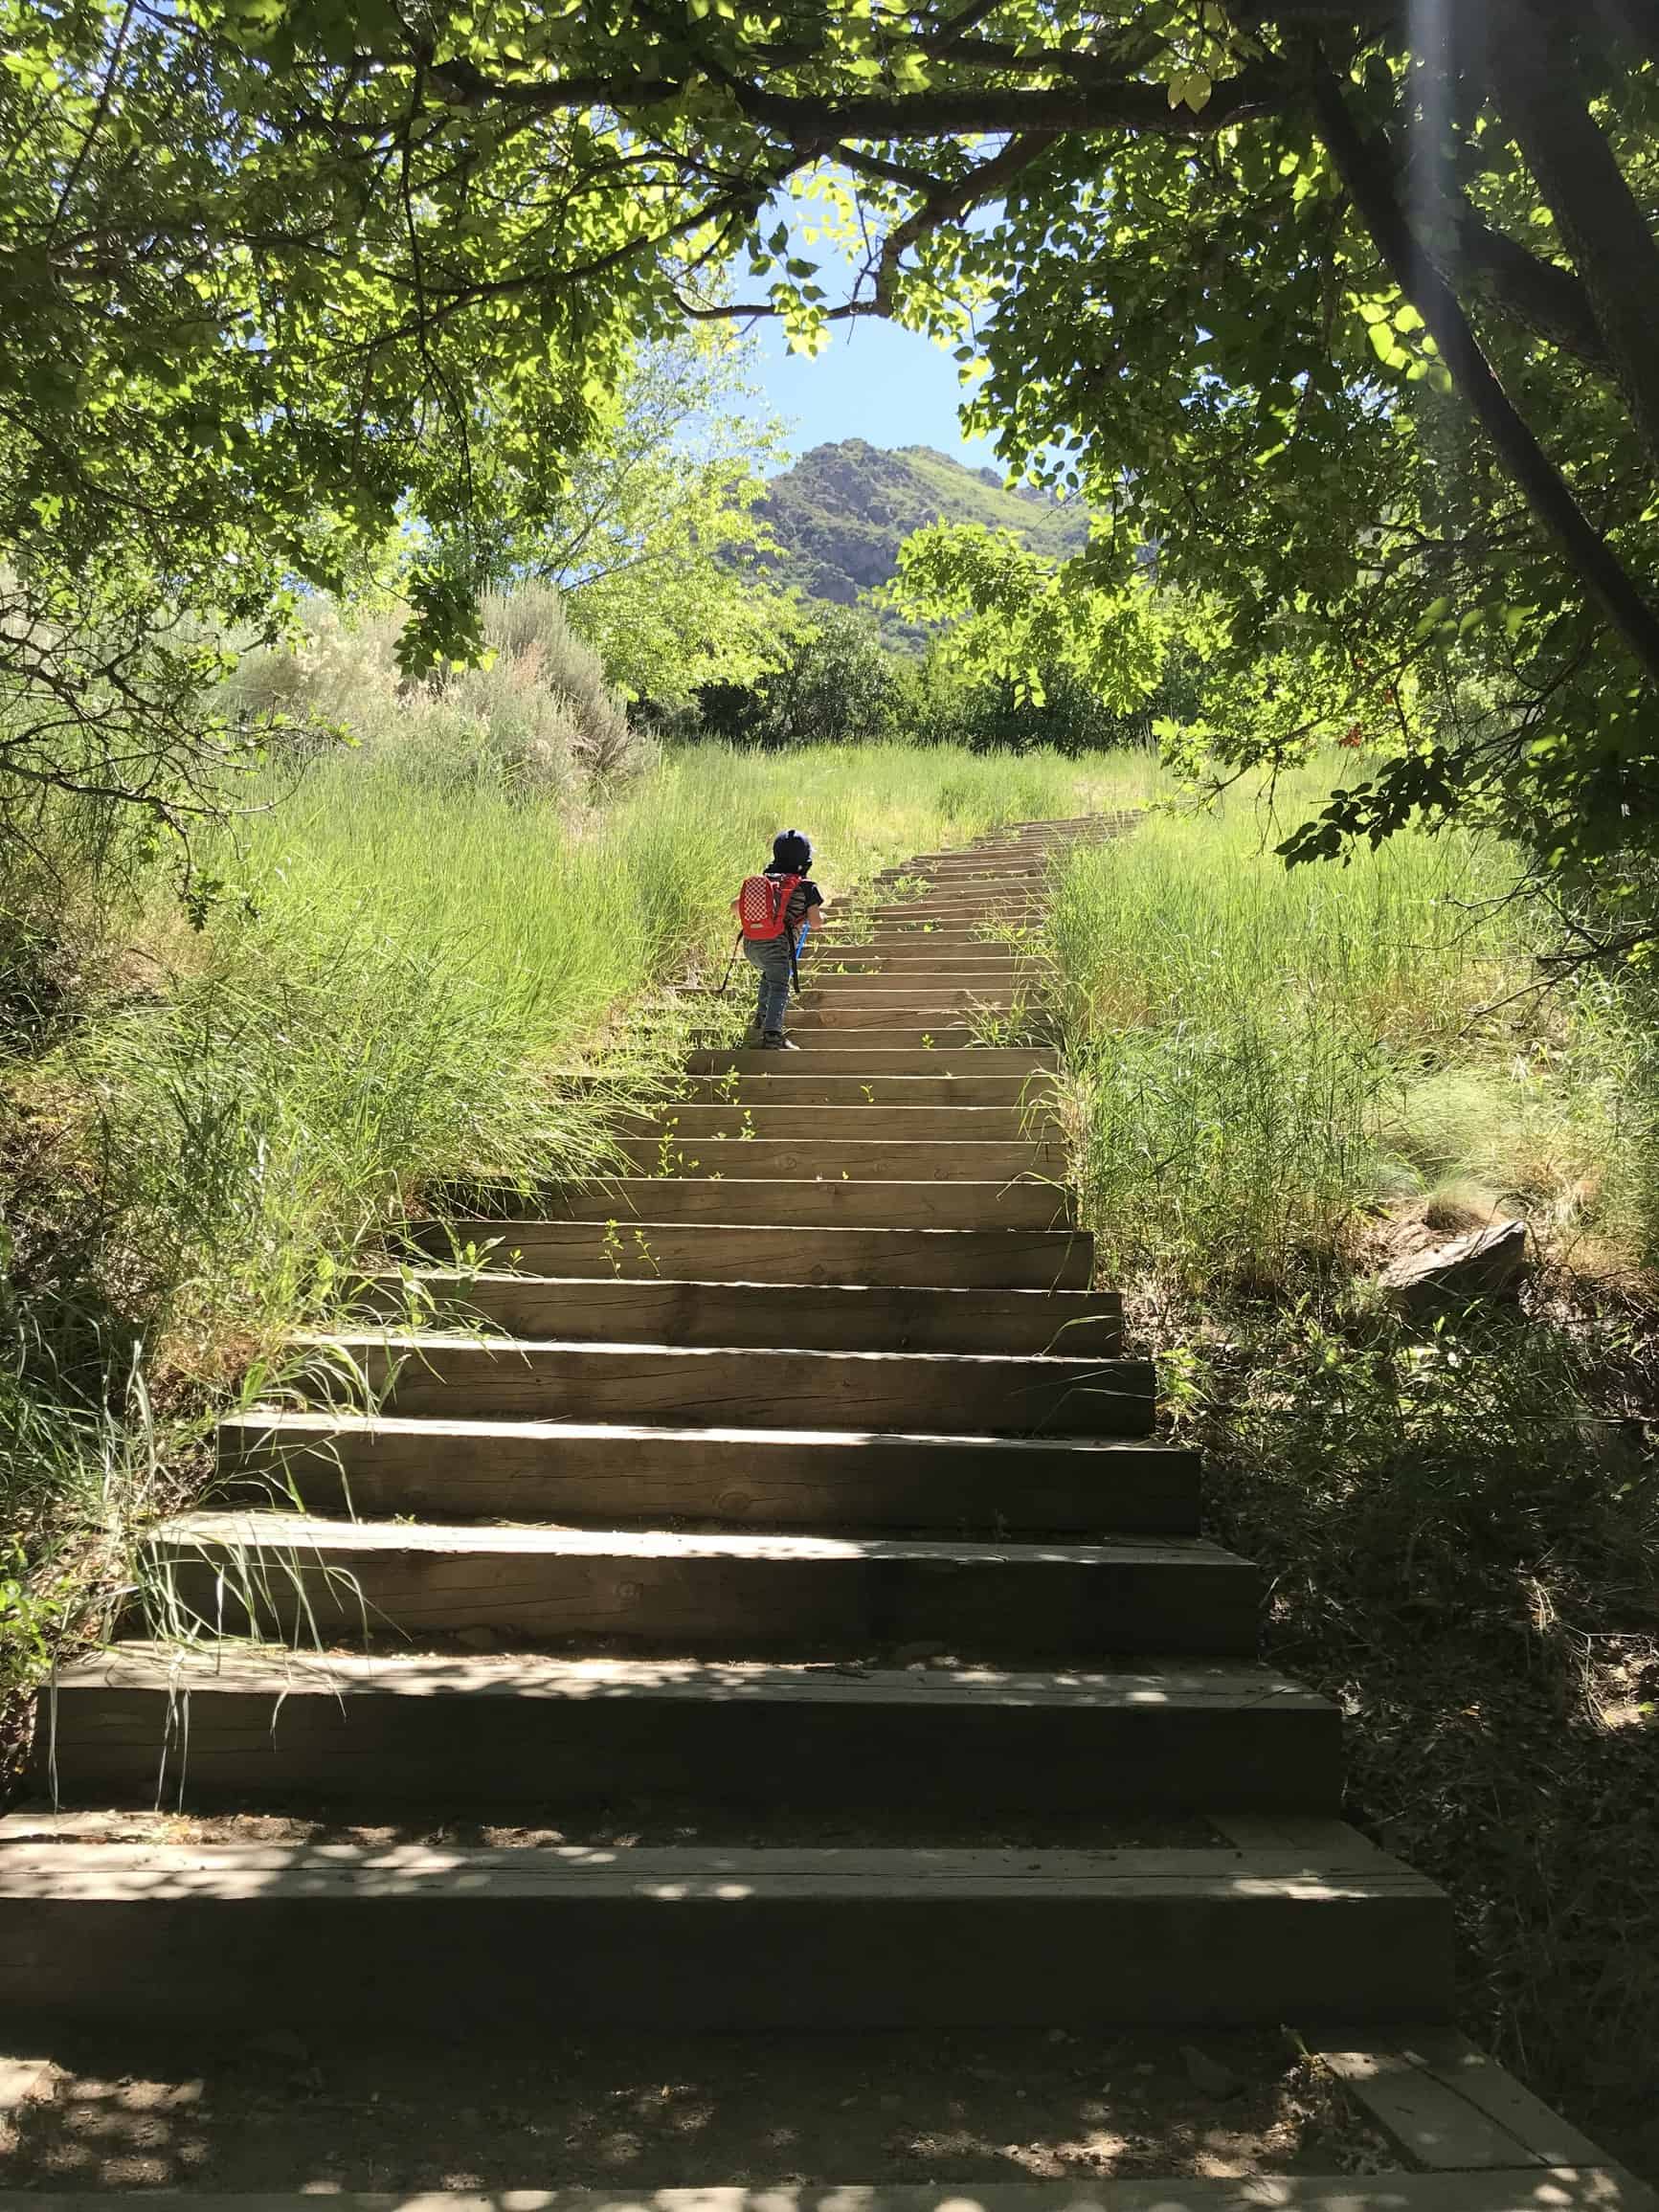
{"type": "Point", "coordinates": [774, 911]}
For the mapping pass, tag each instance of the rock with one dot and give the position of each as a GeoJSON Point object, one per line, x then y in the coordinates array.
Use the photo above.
{"type": "Point", "coordinates": [279, 2042]}
{"type": "Point", "coordinates": [1207, 2075]}
{"type": "Point", "coordinates": [1486, 1263]}
{"type": "Point", "coordinates": [917, 1654]}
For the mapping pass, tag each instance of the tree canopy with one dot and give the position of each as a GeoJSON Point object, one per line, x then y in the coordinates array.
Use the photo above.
{"type": "Point", "coordinates": [1352, 311]}
{"type": "Point", "coordinates": [654, 537]}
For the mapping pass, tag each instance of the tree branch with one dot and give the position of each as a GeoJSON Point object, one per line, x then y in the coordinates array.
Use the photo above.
{"type": "Point", "coordinates": [950, 202]}
{"type": "Point", "coordinates": [1102, 102]}
{"type": "Point", "coordinates": [1542, 295]}
{"type": "Point", "coordinates": [1369, 177]}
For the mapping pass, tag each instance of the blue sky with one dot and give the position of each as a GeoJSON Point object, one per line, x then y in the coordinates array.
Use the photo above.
{"type": "Point", "coordinates": [873, 381]}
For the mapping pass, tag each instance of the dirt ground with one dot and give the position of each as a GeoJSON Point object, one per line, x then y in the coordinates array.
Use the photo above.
{"type": "Point", "coordinates": [276, 2110]}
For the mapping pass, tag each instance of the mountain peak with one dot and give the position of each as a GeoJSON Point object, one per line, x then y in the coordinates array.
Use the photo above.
{"type": "Point", "coordinates": [841, 512]}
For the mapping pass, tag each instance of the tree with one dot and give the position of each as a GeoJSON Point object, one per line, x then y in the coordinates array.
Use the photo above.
{"type": "Point", "coordinates": [1348, 325]}
{"type": "Point", "coordinates": [1011, 614]}
{"type": "Point", "coordinates": [654, 542]}
{"type": "Point", "coordinates": [835, 687]}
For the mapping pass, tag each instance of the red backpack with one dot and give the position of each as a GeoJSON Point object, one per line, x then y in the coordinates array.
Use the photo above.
{"type": "Point", "coordinates": [763, 917]}
{"type": "Point", "coordinates": [763, 906]}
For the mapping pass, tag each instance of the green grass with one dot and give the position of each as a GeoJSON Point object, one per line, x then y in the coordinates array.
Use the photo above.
{"type": "Point", "coordinates": [426, 977]}
{"type": "Point", "coordinates": [1262, 1058]}
{"type": "Point", "coordinates": [1274, 1080]}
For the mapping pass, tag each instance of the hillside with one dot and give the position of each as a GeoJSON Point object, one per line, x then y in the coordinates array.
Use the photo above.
{"type": "Point", "coordinates": [841, 512]}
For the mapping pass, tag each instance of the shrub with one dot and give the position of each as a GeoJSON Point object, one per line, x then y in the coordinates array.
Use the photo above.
{"type": "Point", "coordinates": [837, 687]}
{"type": "Point", "coordinates": [539, 717]}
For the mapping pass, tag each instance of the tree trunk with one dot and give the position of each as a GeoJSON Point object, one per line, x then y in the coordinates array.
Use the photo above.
{"type": "Point", "coordinates": [1370, 181]}
{"type": "Point", "coordinates": [1530, 66]}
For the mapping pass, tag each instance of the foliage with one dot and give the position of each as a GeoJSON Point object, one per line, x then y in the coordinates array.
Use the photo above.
{"type": "Point", "coordinates": [841, 513]}
{"type": "Point", "coordinates": [837, 687]}
{"type": "Point", "coordinates": [654, 542]}
{"type": "Point", "coordinates": [839, 683]}
{"type": "Point", "coordinates": [536, 719]}
{"type": "Point", "coordinates": [1266, 1061]}
{"type": "Point", "coordinates": [1277, 289]}
{"type": "Point", "coordinates": [937, 705]}
{"type": "Point", "coordinates": [1013, 615]}
{"type": "Point", "coordinates": [1462, 1534]}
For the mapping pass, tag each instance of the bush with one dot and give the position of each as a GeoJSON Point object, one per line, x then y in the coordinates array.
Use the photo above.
{"type": "Point", "coordinates": [539, 719]}
{"type": "Point", "coordinates": [937, 707]}
{"type": "Point", "coordinates": [837, 687]}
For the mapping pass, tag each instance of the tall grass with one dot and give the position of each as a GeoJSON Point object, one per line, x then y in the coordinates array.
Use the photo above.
{"type": "Point", "coordinates": [1260, 1058]}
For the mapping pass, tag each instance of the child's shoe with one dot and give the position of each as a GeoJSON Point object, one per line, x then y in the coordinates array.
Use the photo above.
{"type": "Point", "coordinates": [775, 1041]}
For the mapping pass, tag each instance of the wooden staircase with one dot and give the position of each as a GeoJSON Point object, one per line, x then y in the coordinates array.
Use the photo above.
{"type": "Point", "coordinates": [804, 1481]}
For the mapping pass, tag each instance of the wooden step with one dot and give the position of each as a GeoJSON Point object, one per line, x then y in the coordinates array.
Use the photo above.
{"type": "Point", "coordinates": [897, 961]}
{"type": "Point", "coordinates": [921, 991]}
{"type": "Point", "coordinates": [950, 1030]}
{"type": "Point", "coordinates": [686, 1122]}
{"type": "Point", "coordinates": [947, 910]}
{"type": "Point", "coordinates": [969, 892]}
{"type": "Point", "coordinates": [444, 1936]}
{"type": "Point", "coordinates": [932, 937]}
{"type": "Point", "coordinates": [810, 1316]}
{"type": "Point", "coordinates": [145, 1724]}
{"type": "Point", "coordinates": [794, 1088]}
{"type": "Point", "coordinates": [450, 1469]}
{"type": "Point", "coordinates": [909, 1012]}
{"type": "Point", "coordinates": [635, 1200]}
{"type": "Point", "coordinates": [1029, 880]}
{"type": "Point", "coordinates": [844, 1057]}
{"type": "Point", "coordinates": [919, 983]}
{"type": "Point", "coordinates": [865, 1159]}
{"type": "Point", "coordinates": [523, 1379]}
{"type": "Point", "coordinates": [689, 1595]}
{"type": "Point", "coordinates": [713, 1251]}
{"type": "Point", "coordinates": [1525, 2185]}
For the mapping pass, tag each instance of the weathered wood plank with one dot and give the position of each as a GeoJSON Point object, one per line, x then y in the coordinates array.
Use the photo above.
{"type": "Point", "coordinates": [905, 961]}
{"type": "Point", "coordinates": [1427, 2119]}
{"type": "Point", "coordinates": [714, 1595]}
{"type": "Point", "coordinates": [787, 1087]}
{"type": "Point", "coordinates": [864, 1062]}
{"type": "Point", "coordinates": [828, 1480]}
{"type": "Point", "coordinates": [949, 1033]}
{"type": "Point", "coordinates": [875, 1158]}
{"type": "Point", "coordinates": [1449, 2105]}
{"type": "Point", "coordinates": [767, 1115]}
{"type": "Point", "coordinates": [928, 1016]}
{"type": "Point", "coordinates": [209, 1730]}
{"type": "Point", "coordinates": [726, 1939]}
{"type": "Point", "coordinates": [427, 1372]}
{"type": "Point", "coordinates": [797, 1204]}
{"type": "Point", "coordinates": [713, 1251]}
{"type": "Point", "coordinates": [819, 1317]}
{"type": "Point", "coordinates": [1478, 2077]}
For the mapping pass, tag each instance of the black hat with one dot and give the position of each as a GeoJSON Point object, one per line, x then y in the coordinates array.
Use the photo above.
{"type": "Point", "coordinates": [791, 851]}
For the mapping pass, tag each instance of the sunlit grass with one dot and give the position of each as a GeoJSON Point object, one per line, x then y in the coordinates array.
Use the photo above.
{"type": "Point", "coordinates": [1261, 1058]}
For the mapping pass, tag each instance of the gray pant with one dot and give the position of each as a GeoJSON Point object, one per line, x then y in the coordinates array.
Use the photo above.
{"type": "Point", "coordinates": [769, 956]}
